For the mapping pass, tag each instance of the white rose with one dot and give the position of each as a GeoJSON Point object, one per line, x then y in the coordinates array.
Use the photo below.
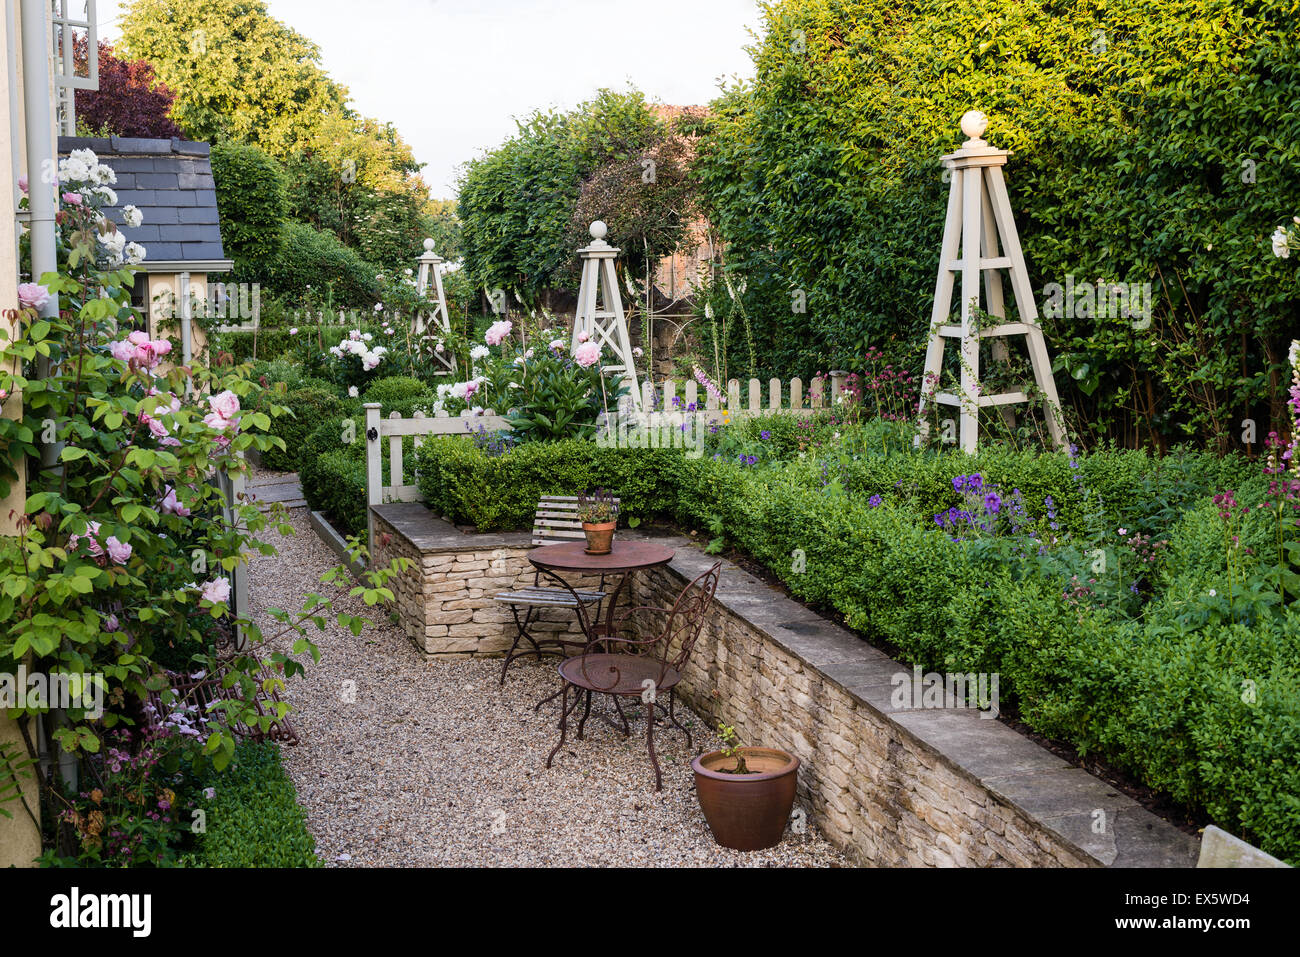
{"type": "Point", "coordinates": [103, 174]}
{"type": "Point", "coordinates": [1282, 243]}
{"type": "Point", "coordinates": [131, 215]}
{"type": "Point", "coordinates": [353, 392]}
{"type": "Point", "coordinates": [110, 197]}
{"type": "Point", "coordinates": [135, 253]}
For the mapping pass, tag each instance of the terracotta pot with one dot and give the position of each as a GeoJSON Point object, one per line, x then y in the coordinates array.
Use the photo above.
{"type": "Point", "coordinates": [600, 537]}
{"type": "Point", "coordinates": [747, 812]}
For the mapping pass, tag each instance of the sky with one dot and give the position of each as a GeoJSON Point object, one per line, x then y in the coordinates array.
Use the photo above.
{"type": "Point", "coordinates": [451, 74]}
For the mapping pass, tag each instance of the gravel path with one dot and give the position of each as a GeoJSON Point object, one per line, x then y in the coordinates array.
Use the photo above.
{"type": "Point", "coordinates": [434, 764]}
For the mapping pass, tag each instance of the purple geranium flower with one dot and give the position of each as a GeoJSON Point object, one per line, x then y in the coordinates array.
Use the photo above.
{"type": "Point", "coordinates": [992, 503]}
{"type": "Point", "coordinates": [875, 501]}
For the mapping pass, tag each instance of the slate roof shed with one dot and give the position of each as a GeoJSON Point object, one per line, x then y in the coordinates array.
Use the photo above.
{"type": "Point", "coordinates": [170, 180]}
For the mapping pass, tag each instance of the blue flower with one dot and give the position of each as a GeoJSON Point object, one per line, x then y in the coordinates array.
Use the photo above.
{"type": "Point", "coordinates": [992, 503]}
{"type": "Point", "coordinates": [765, 435]}
{"type": "Point", "coordinates": [959, 483]}
{"type": "Point", "coordinates": [875, 501]}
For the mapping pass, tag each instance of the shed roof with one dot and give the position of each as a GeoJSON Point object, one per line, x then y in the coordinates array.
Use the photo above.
{"type": "Point", "coordinates": [170, 181]}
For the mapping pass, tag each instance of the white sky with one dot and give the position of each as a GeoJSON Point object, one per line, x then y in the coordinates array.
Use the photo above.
{"type": "Point", "coordinates": [451, 74]}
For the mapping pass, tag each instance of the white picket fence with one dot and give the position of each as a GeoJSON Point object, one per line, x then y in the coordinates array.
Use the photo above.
{"type": "Point", "coordinates": [759, 398]}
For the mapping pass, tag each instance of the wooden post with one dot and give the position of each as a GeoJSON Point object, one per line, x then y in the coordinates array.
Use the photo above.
{"type": "Point", "coordinates": [979, 213]}
{"type": "Point", "coordinates": [374, 471]}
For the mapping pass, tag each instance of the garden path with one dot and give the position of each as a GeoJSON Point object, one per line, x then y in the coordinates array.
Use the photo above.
{"type": "Point", "coordinates": [405, 762]}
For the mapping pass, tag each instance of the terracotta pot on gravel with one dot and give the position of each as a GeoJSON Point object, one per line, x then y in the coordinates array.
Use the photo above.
{"type": "Point", "coordinates": [600, 537]}
{"type": "Point", "coordinates": [747, 812]}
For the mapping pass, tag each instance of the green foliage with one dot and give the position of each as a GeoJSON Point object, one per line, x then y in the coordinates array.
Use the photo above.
{"type": "Point", "coordinates": [517, 203]}
{"type": "Point", "coordinates": [1153, 141]}
{"type": "Point", "coordinates": [316, 257]}
{"type": "Point", "coordinates": [307, 407]}
{"type": "Point", "coordinates": [253, 818]}
{"type": "Point", "coordinates": [332, 471]}
{"type": "Point", "coordinates": [251, 200]}
{"type": "Point", "coordinates": [396, 388]}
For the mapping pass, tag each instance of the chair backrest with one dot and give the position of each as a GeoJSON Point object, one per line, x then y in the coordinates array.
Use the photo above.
{"type": "Point", "coordinates": [686, 620]}
{"type": "Point", "coordinates": [557, 520]}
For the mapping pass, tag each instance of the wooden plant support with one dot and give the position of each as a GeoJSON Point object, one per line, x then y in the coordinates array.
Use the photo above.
{"type": "Point", "coordinates": [979, 220]}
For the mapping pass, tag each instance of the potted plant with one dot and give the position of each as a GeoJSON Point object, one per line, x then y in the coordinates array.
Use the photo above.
{"type": "Point", "coordinates": [746, 793]}
{"type": "Point", "coordinates": [599, 517]}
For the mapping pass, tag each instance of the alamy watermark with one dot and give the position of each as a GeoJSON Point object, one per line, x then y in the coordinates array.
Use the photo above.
{"type": "Point", "coordinates": [952, 690]}
{"type": "Point", "coordinates": [660, 430]}
{"type": "Point", "coordinates": [59, 690]}
{"type": "Point", "coordinates": [1086, 300]}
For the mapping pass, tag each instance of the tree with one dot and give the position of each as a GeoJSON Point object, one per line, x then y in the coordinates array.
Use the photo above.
{"type": "Point", "coordinates": [129, 102]}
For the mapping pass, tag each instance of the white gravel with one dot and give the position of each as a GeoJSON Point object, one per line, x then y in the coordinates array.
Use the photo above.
{"type": "Point", "coordinates": [435, 764]}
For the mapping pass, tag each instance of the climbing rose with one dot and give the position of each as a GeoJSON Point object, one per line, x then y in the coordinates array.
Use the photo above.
{"type": "Point", "coordinates": [33, 295]}
{"type": "Point", "coordinates": [172, 506]}
{"type": "Point", "coordinates": [118, 552]}
{"type": "Point", "coordinates": [216, 591]}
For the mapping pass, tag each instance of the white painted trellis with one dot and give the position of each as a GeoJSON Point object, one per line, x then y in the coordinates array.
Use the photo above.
{"type": "Point", "coordinates": [979, 214]}
{"type": "Point", "coordinates": [430, 274]}
{"type": "Point", "coordinates": [600, 313]}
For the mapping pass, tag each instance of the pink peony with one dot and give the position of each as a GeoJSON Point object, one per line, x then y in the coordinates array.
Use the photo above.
{"type": "Point", "coordinates": [33, 295]}
{"type": "Point", "coordinates": [216, 591]}
{"type": "Point", "coordinates": [584, 336]}
{"type": "Point", "coordinates": [498, 331]}
{"type": "Point", "coordinates": [118, 552]}
{"type": "Point", "coordinates": [587, 354]}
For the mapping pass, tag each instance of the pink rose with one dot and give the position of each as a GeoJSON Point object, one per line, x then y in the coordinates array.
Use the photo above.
{"type": "Point", "coordinates": [72, 199]}
{"type": "Point", "coordinates": [498, 331]}
{"type": "Point", "coordinates": [172, 506]}
{"type": "Point", "coordinates": [138, 338]}
{"type": "Point", "coordinates": [587, 354]}
{"type": "Point", "coordinates": [123, 350]}
{"type": "Point", "coordinates": [224, 404]}
{"type": "Point", "coordinates": [33, 295]}
{"type": "Point", "coordinates": [156, 428]}
{"type": "Point", "coordinates": [216, 591]}
{"type": "Point", "coordinates": [92, 530]}
{"type": "Point", "coordinates": [118, 552]}
{"type": "Point", "coordinates": [217, 422]}
{"type": "Point", "coordinates": [22, 183]}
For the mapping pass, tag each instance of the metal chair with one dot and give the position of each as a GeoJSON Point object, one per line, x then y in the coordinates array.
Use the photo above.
{"type": "Point", "coordinates": [625, 667]}
{"type": "Point", "coordinates": [556, 522]}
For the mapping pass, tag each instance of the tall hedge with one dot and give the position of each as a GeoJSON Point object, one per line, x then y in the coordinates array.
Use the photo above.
{"type": "Point", "coordinates": [316, 257]}
{"type": "Point", "coordinates": [251, 201]}
{"type": "Point", "coordinates": [1154, 141]}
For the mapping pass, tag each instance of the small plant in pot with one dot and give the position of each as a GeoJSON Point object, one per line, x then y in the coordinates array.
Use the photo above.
{"type": "Point", "coordinates": [746, 793]}
{"type": "Point", "coordinates": [599, 516]}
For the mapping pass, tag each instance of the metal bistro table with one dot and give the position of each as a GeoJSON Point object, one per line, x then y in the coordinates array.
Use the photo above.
{"type": "Point", "coordinates": [572, 557]}
{"type": "Point", "coordinates": [623, 560]}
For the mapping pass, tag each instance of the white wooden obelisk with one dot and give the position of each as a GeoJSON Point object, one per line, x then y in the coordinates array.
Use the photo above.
{"type": "Point", "coordinates": [600, 312]}
{"type": "Point", "coordinates": [979, 219]}
{"type": "Point", "coordinates": [430, 274]}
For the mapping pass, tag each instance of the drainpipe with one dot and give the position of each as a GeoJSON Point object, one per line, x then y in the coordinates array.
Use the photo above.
{"type": "Point", "coordinates": [42, 168]}
{"type": "Point", "coordinates": [42, 186]}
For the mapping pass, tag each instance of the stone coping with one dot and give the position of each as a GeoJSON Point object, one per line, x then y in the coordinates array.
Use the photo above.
{"type": "Point", "coordinates": [1012, 769]}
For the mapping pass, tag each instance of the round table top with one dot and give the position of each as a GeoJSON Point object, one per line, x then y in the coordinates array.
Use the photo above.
{"type": "Point", "coordinates": [626, 556]}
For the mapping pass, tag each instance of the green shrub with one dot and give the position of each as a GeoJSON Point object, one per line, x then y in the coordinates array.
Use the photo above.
{"type": "Point", "coordinates": [332, 471]}
{"type": "Point", "coordinates": [251, 199]}
{"type": "Point", "coordinates": [253, 818]}
{"type": "Point", "coordinates": [313, 257]}
{"type": "Point", "coordinates": [308, 407]}
{"type": "Point", "coordinates": [396, 388]}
